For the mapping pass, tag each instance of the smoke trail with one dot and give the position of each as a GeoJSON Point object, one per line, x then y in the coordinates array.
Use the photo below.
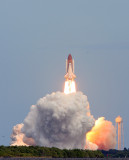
{"type": "Point", "coordinates": [103, 134]}
{"type": "Point", "coordinates": [58, 120]}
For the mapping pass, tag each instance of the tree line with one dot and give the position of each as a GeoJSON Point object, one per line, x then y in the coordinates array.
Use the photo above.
{"type": "Point", "coordinates": [113, 153]}
{"type": "Point", "coordinates": [37, 151]}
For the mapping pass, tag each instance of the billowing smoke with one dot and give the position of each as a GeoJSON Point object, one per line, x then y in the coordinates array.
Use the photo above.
{"type": "Point", "coordinates": [90, 146]}
{"type": "Point", "coordinates": [103, 134]}
{"type": "Point", "coordinates": [63, 120]}
{"type": "Point", "coordinates": [19, 138]}
{"type": "Point", "coordinates": [57, 120]}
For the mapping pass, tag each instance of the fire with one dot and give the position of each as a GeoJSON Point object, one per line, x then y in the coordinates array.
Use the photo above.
{"type": "Point", "coordinates": [103, 134]}
{"type": "Point", "coordinates": [70, 87]}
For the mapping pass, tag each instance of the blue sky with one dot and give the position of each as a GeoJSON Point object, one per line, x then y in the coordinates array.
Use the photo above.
{"type": "Point", "coordinates": [36, 38]}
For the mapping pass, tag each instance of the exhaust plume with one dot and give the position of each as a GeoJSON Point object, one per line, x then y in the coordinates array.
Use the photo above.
{"type": "Point", "coordinates": [19, 138]}
{"type": "Point", "coordinates": [90, 145]}
{"type": "Point", "coordinates": [58, 120]}
{"type": "Point", "coordinates": [62, 120]}
{"type": "Point", "coordinates": [103, 134]}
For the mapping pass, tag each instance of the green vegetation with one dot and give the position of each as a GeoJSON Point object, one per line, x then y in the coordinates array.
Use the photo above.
{"type": "Point", "coordinates": [36, 151]}
{"type": "Point", "coordinates": [116, 153]}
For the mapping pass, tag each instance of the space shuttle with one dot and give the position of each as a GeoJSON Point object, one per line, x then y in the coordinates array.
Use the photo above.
{"type": "Point", "coordinates": [70, 68]}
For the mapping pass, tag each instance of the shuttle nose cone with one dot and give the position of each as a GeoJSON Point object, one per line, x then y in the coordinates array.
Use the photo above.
{"type": "Point", "coordinates": [69, 57]}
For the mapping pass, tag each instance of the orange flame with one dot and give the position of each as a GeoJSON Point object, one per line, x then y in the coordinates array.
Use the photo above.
{"type": "Point", "coordinates": [103, 134]}
{"type": "Point", "coordinates": [70, 87]}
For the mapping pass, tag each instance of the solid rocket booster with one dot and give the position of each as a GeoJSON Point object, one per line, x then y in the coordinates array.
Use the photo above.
{"type": "Point", "coordinates": [70, 68]}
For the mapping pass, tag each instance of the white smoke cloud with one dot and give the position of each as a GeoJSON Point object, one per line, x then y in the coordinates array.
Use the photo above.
{"type": "Point", "coordinates": [58, 120]}
{"type": "Point", "coordinates": [19, 138]}
{"type": "Point", "coordinates": [64, 121]}
{"type": "Point", "coordinates": [91, 146]}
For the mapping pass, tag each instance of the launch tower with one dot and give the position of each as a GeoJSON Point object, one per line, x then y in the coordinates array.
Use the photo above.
{"type": "Point", "coordinates": [119, 127]}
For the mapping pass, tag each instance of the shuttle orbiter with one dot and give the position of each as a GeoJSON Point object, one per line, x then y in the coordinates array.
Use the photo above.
{"type": "Point", "coordinates": [70, 68]}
